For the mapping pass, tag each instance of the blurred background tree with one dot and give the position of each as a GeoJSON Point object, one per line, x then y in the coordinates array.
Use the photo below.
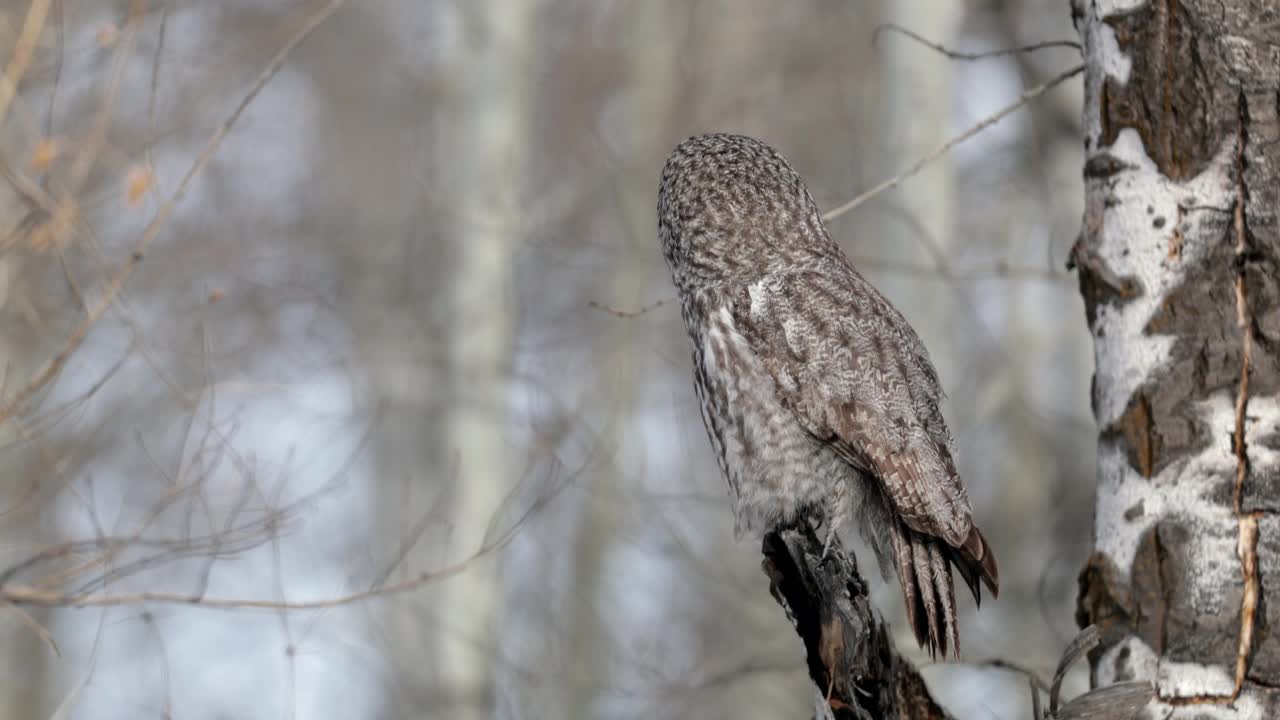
{"type": "Point", "coordinates": [362, 348]}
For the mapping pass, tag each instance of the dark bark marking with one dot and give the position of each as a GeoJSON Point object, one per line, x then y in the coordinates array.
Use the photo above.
{"type": "Point", "coordinates": [1141, 443]}
{"type": "Point", "coordinates": [1105, 165]}
{"type": "Point", "coordinates": [1199, 314]}
{"type": "Point", "coordinates": [1153, 603]}
{"type": "Point", "coordinates": [1099, 284]}
{"type": "Point", "coordinates": [1150, 580]}
{"type": "Point", "coordinates": [1186, 633]}
{"type": "Point", "coordinates": [1175, 239]}
{"type": "Point", "coordinates": [1104, 600]}
{"type": "Point", "coordinates": [1262, 485]}
{"type": "Point", "coordinates": [1166, 99]}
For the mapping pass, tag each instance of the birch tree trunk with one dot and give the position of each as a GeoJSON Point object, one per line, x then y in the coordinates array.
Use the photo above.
{"type": "Point", "coordinates": [1178, 259]}
{"type": "Point", "coordinates": [24, 667]}
{"type": "Point", "coordinates": [651, 92]}
{"type": "Point", "coordinates": [485, 167]}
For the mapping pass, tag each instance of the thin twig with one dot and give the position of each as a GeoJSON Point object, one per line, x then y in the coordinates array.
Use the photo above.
{"type": "Point", "coordinates": [50, 369]}
{"type": "Point", "coordinates": [999, 270]}
{"type": "Point", "coordinates": [29, 595]}
{"type": "Point", "coordinates": [87, 157]}
{"type": "Point", "coordinates": [629, 313]}
{"type": "Point", "coordinates": [60, 43]}
{"type": "Point", "coordinates": [411, 538]}
{"type": "Point", "coordinates": [1026, 97]}
{"type": "Point", "coordinates": [1001, 664]}
{"type": "Point", "coordinates": [1087, 640]}
{"type": "Point", "coordinates": [41, 631]}
{"type": "Point", "coordinates": [153, 101]}
{"type": "Point", "coordinates": [957, 55]}
{"type": "Point", "coordinates": [72, 698]}
{"type": "Point", "coordinates": [22, 52]}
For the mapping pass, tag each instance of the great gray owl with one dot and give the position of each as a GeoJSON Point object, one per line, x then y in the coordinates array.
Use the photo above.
{"type": "Point", "coordinates": [820, 401]}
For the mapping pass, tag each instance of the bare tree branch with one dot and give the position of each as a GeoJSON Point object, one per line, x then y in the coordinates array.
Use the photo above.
{"type": "Point", "coordinates": [18, 402]}
{"type": "Point", "coordinates": [944, 148]}
{"type": "Point", "coordinates": [957, 55]}
{"type": "Point", "coordinates": [22, 52]}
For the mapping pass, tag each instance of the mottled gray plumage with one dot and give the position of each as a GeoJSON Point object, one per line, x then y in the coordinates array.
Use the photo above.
{"type": "Point", "coordinates": [820, 401]}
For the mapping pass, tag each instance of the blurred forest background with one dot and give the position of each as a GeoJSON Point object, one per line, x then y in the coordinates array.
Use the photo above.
{"type": "Point", "coordinates": [357, 367]}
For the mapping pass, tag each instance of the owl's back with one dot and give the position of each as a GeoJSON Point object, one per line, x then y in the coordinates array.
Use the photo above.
{"type": "Point", "coordinates": [777, 472]}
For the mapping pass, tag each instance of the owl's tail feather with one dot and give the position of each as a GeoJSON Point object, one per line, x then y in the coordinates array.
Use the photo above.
{"type": "Point", "coordinates": [975, 561]}
{"type": "Point", "coordinates": [924, 571]}
{"type": "Point", "coordinates": [924, 565]}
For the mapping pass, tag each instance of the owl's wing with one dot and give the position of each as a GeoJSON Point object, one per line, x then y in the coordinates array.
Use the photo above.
{"type": "Point", "coordinates": [857, 377]}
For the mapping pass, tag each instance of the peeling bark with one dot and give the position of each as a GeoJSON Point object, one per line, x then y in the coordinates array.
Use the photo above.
{"type": "Point", "coordinates": [1179, 266]}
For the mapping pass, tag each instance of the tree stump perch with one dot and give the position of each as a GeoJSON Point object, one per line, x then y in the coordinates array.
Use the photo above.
{"type": "Point", "coordinates": [855, 669]}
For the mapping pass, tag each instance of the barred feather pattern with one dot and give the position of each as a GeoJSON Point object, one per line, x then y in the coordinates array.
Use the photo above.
{"type": "Point", "coordinates": [820, 401]}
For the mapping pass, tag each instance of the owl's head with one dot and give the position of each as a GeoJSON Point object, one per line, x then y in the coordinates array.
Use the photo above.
{"type": "Point", "coordinates": [732, 209]}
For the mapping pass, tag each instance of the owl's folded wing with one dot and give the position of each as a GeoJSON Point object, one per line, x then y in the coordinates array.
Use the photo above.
{"type": "Point", "coordinates": [857, 377]}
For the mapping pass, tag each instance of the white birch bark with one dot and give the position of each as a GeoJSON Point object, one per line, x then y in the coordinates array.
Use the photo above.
{"type": "Point", "coordinates": [1178, 260]}
{"type": "Point", "coordinates": [486, 169]}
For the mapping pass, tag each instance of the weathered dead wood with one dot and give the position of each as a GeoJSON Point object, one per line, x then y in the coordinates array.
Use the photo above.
{"type": "Point", "coordinates": [852, 661]}
{"type": "Point", "coordinates": [857, 673]}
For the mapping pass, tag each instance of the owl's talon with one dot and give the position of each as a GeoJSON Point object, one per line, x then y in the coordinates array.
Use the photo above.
{"type": "Point", "coordinates": [826, 544]}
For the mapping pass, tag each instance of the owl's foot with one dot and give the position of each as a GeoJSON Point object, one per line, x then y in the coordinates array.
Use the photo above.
{"type": "Point", "coordinates": [836, 512]}
{"type": "Point", "coordinates": [826, 544]}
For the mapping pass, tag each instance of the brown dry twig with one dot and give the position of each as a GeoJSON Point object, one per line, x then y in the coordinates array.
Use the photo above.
{"type": "Point", "coordinates": [116, 283]}
{"type": "Point", "coordinates": [222, 542]}
{"type": "Point", "coordinates": [957, 55]}
{"type": "Point", "coordinates": [619, 312]}
{"type": "Point", "coordinates": [28, 38]}
{"type": "Point", "coordinates": [30, 595]}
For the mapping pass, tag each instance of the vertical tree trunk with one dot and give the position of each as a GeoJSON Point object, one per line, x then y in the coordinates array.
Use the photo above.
{"type": "Point", "coordinates": [24, 672]}
{"type": "Point", "coordinates": [1178, 260]}
{"type": "Point", "coordinates": [918, 91]}
{"type": "Point", "coordinates": [485, 166]}
{"type": "Point", "coordinates": [651, 92]}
